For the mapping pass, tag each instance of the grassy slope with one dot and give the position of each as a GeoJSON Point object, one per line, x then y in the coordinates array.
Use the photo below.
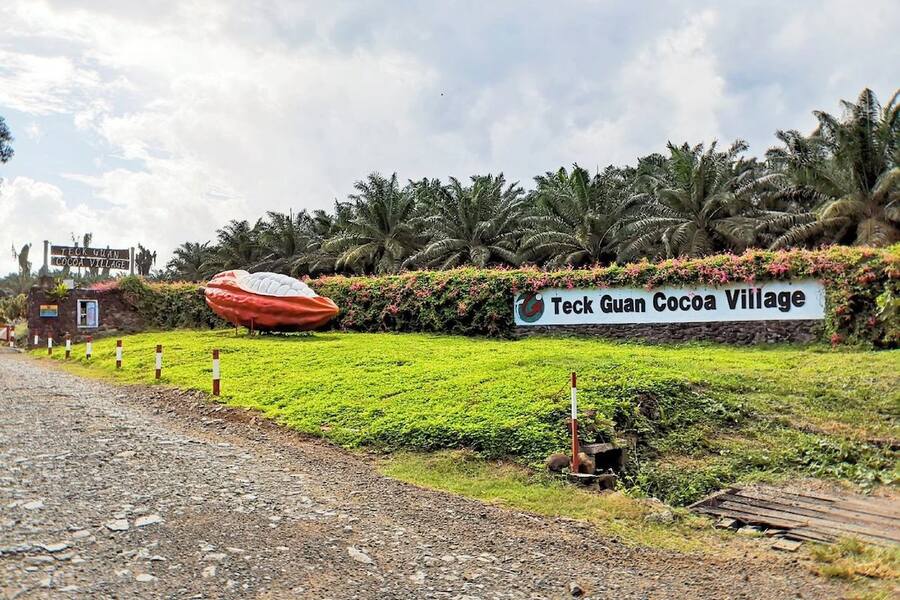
{"type": "Point", "coordinates": [702, 415]}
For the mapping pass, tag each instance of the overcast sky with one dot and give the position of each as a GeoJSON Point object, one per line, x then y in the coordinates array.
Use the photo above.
{"type": "Point", "coordinates": [156, 125]}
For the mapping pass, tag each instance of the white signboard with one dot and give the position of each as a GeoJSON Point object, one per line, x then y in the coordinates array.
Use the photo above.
{"type": "Point", "coordinates": [768, 301]}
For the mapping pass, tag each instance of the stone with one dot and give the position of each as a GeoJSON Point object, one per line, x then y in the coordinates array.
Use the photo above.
{"type": "Point", "coordinates": [575, 590]}
{"type": "Point", "coordinates": [147, 520]}
{"type": "Point", "coordinates": [81, 533]}
{"type": "Point", "coordinates": [56, 547]}
{"type": "Point", "coordinates": [145, 578]}
{"type": "Point", "coordinates": [209, 571]}
{"type": "Point", "coordinates": [661, 517]}
{"type": "Point", "coordinates": [606, 481]}
{"type": "Point", "coordinates": [117, 525]}
{"type": "Point", "coordinates": [126, 454]}
{"type": "Point", "coordinates": [586, 464]}
{"type": "Point", "coordinates": [359, 556]}
{"type": "Point", "coordinates": [33, 505]}
{"type": "Point", "coordinates": [556, 462]}
{"type": "Point", "coordinates": [787, 545]}
{"type": "Point", "coordinates": [418, 578]}
{"type": "Point", "coordinates": [215, 556]}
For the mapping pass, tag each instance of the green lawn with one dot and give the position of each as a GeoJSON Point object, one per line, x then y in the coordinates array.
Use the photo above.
{"type": "Point", "coordinates": [698, 416]}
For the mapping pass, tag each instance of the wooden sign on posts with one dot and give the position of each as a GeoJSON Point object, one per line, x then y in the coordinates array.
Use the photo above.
{"type": "Point", "coordinates": [101, 258]}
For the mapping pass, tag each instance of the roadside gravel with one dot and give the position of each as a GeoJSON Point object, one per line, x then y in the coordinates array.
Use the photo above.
{"type": "Point", "coordinates": [139, 492]}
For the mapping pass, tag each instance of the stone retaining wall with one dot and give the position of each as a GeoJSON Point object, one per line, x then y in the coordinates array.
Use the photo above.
{"type": "Point", "coordinates": [729, 332]}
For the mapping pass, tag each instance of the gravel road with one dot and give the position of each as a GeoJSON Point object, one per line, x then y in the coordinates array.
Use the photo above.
{"type": "Point", "coordinates": [136, 492]}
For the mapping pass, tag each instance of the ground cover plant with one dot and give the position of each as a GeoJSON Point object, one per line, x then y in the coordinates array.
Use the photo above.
{"type": "Point", "coordinates": [696, 417]}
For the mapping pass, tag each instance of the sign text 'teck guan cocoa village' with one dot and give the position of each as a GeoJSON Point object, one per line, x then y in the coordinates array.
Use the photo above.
{"type": "Point", "coordinates": [101, 258]}
{"type": "Point", "coordinates": [768, 301]}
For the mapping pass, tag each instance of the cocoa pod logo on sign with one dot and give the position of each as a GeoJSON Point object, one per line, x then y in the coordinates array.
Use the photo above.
{"type": "Point", "coordinates": [530, 307]}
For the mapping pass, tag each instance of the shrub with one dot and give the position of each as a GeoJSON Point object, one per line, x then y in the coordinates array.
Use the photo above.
{"type": "Point", "coordinates": [169, 305]}
{"type": "Point", "coordinates": [862, 285]}
{"type": "Point", "coordinates": [479, 302]}
{"type": "Point", "coordinates": [13, 308]}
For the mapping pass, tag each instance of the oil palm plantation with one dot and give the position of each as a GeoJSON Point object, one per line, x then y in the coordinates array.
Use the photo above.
{"type": "Point", "coordinates": [696, 202]}
{"type": "Point", "coordinates": [849, 169]}
{"type": "Point", "coordinates": [237, 247]}
{"type": "Point", "coordinates": [190, 262]}
{"type": "Point", "coordinates": [476, 224]}
{"type": "Point", "coordinates": [577, 218]}
{"type": "Point", "coordinates": [379, 235]}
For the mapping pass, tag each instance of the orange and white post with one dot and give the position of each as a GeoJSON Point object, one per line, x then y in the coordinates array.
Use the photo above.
{"type": "Point", "coordinates": [68, 346]}
{"type": "Point", "coordinates": [118, 354]}
{"type": "Point", "coordinates": [158, 361]}
{"type": "Point", "coordinates": [89, 347]}
{"type": "Point", "coordinates": [215, 373]}
{"type": "Point", "coordinates": [574, 419]}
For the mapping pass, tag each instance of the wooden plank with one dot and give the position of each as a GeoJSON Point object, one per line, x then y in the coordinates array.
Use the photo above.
{"type": "Point", "coordinates": [836, 507]}
{"type": "Point", "coordinates": [751, 518]}
{"type": "Point", "coordinates": [891, 529]}
{"type": "Point", "coordinates": [870, 505]}
{"type": "Point", "coordinates": [833, 536]}
{"type": "Point", "coordinates": [845, 528]}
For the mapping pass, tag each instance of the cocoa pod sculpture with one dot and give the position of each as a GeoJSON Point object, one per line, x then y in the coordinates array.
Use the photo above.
{"type": "Point", "coordinates": [268, 301]}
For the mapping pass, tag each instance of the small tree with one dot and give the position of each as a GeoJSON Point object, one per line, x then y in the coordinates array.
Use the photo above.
{"type": "Point", "coordinates": [144, 260]}
{"type": "Point", "coordinates": [6, 150]}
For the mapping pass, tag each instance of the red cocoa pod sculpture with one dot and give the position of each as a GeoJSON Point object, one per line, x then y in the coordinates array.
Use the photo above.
{"type": "Point", "coordinates": [267, 301]}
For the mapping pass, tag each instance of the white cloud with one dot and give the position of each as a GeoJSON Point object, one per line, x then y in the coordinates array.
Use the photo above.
{"type": "Point", "coordinates": [32, 211]}
{"type": "Point", "coordinates": [671, 90]}
{"type": "Point", "coordinates": [41, 85]}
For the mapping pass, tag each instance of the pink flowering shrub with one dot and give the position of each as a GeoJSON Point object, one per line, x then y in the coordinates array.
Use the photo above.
{"type": "Point", "coordinates": [474, 301]}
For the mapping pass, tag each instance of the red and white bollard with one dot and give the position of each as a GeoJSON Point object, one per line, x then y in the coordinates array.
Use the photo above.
{"type": "Point", "coordinates": [68, 346]}
{"type": "Point", "coordinates": [574, 418]}
{"type": "Point", "coordinates": [49, 345]}
{"type": "Point", "coordinates": [158, 361]}
{"type": "Point", "coordinates": [11, 336]}
{"type": "Point", "coordinates": [89, 347]}
{"type": "Point", "coordinates": [118, 354]}
{"type": "Point", "coordinates": [215, 373]}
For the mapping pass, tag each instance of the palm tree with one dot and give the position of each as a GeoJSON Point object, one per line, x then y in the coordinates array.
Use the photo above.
{"type": "Point", "coordinates": [849, 169]}
{"type": "Point", "coordinates": [476, 224]}
{"type": "Point", "coordinates": [697, 202]}
{"type": "Point", "coordinates": [237, 248]}
{"type": "Point", "coordinates": [577, 218]}
{"type": "Point", "coordinates": [379, 235]}
{"type": "Point", "coordinates": [190, 262]}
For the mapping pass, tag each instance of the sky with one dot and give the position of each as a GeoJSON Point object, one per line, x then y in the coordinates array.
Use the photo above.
{"type": "Point", "coordinates": [157, 122]}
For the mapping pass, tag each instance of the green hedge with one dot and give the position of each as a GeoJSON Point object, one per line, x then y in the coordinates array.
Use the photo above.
{"type": "Point", "coordinates": [862, 285]}
{"type": "Point", "coordinates": [862, 306]}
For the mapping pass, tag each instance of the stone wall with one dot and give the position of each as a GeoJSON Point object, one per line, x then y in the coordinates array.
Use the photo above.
{"type": "Point", "coordinates": [115, 315]}
{"type": "Point", "coordinates": [729, 332]}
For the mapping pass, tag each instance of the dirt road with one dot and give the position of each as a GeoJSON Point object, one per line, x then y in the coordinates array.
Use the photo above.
{"type": "Point", "coordinates": [111, 492]}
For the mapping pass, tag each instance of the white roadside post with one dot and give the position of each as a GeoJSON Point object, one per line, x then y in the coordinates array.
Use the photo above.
{"type": "Point", "coordinates": [118, 354]}
{"type": "Point", "coordinates": [37, 340]}
{"type": "Point", "coordinates": [11, 336]}
{"type": "Point", "coordinates": [158, 361]}
{"type": "Point", "coordinates": [215, 373]}
{"type": "Point", "coordinates": [49, 344]}
{"type": "Point", "coordinates": [68, 346]}
{"type": "Point", "coordinates": [89, 347]}
{"type": "Point", "coordinates": [575, 449]}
